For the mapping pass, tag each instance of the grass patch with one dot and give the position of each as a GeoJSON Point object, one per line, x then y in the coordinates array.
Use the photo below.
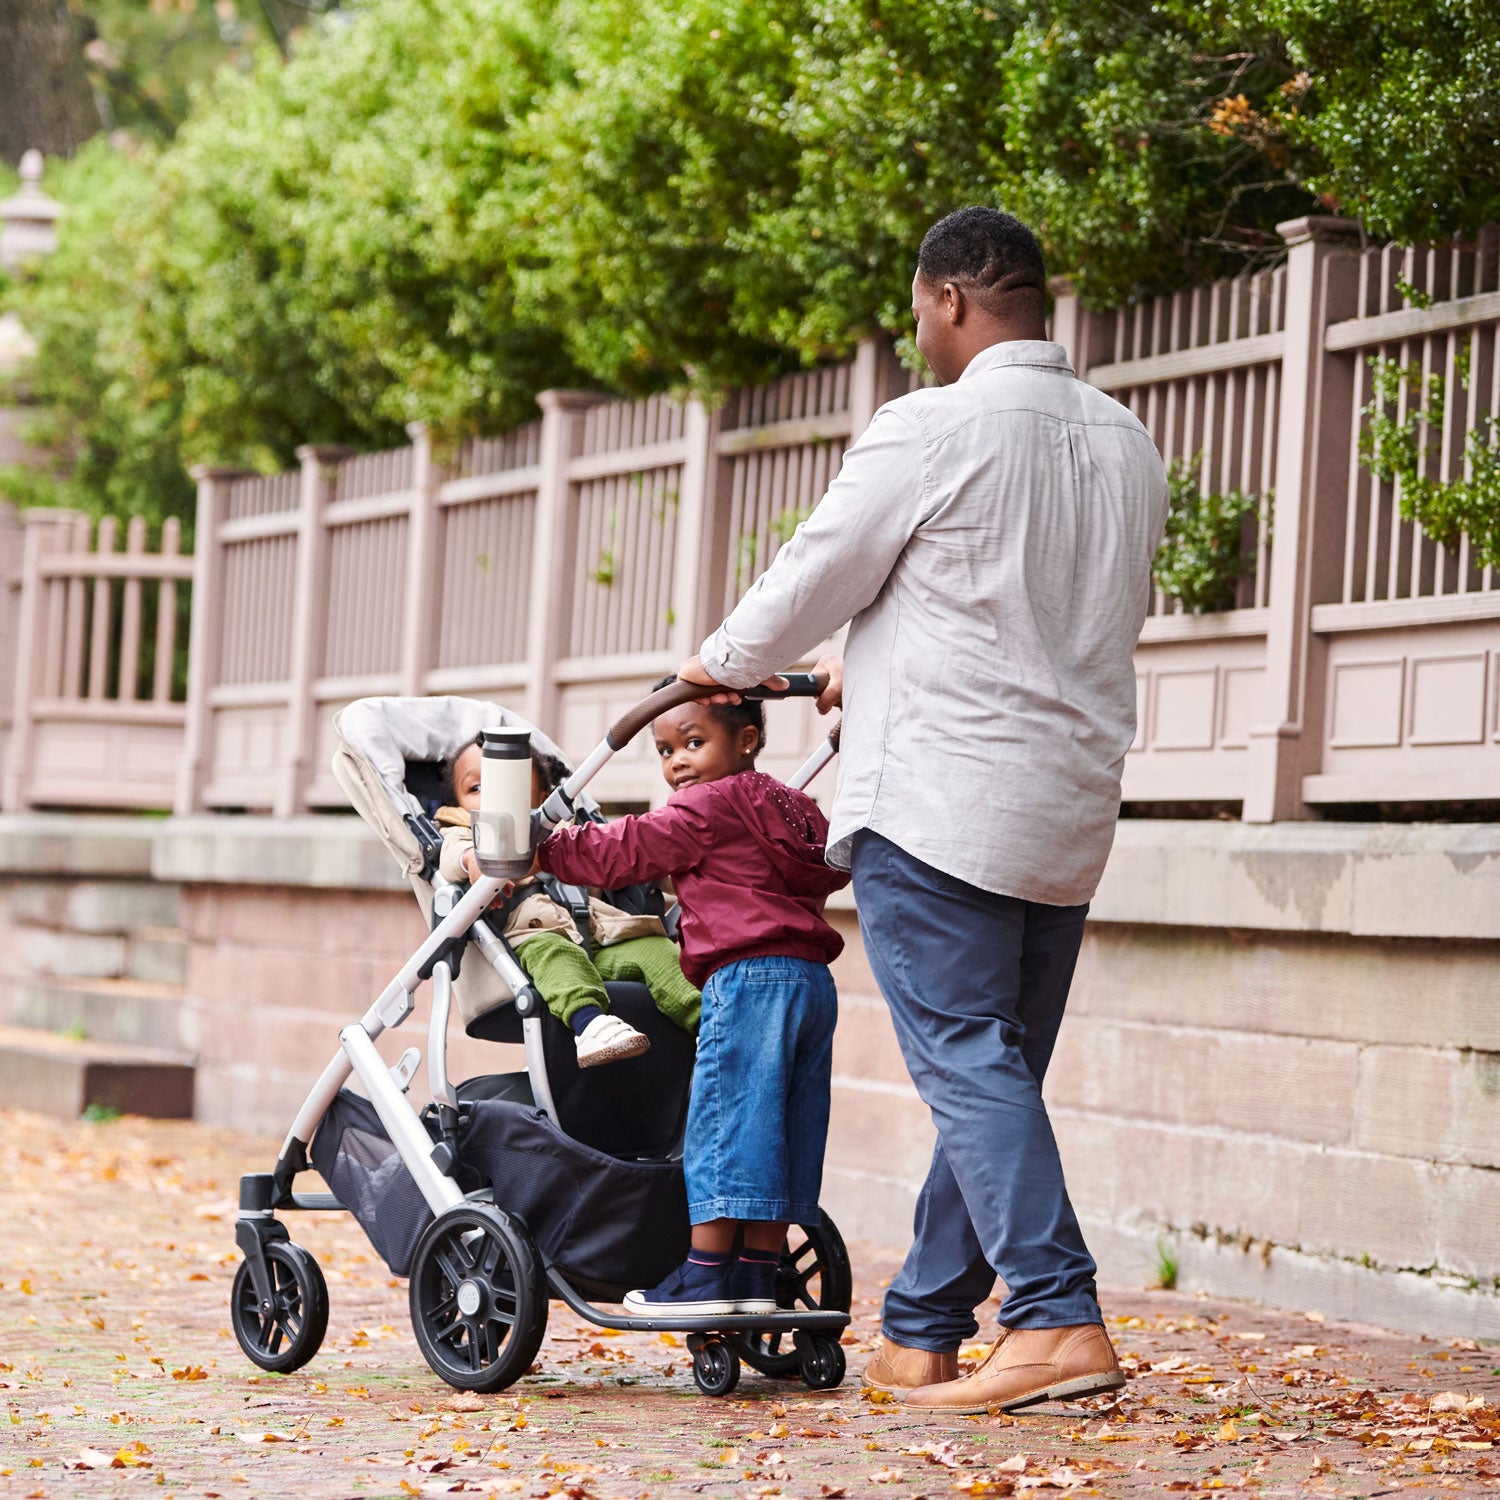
{"type": "Point", "coordinates": [77, 1032]}
{"type": "Point", "coordinates": [1166, 1266]}
{"type": "Point", "coordinates": [100, 1114]}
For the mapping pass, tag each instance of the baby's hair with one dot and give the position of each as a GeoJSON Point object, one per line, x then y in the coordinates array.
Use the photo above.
{"type": "Point", "coordinates": [549, 768]}
{"type": "Point", "coordinates": [733, 716]}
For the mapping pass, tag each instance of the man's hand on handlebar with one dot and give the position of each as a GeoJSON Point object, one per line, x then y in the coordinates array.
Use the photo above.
{"type": "Point", "coordinates": [832, 696]}
{"type": "Point", "coordinates": [692, 671]}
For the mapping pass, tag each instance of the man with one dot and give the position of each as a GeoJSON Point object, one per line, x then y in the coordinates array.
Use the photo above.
{"type": "Point", "coordinates": [991, 541]}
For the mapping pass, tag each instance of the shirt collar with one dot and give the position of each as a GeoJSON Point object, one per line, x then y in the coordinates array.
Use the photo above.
{"type": "Point", "coordinates": [1034, 353]}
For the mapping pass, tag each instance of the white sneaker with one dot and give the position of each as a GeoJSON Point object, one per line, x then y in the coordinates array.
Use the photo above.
{"type": "Point", "coordinates": [608, 1039]}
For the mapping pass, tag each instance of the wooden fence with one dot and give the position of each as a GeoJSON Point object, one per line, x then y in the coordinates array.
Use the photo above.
{"type": "Point", "coordinates": [98, 703]}
{"type": "Point", "coordinates": [561, 568]}
{"type": "Point", "coordinates": [1362, 662]}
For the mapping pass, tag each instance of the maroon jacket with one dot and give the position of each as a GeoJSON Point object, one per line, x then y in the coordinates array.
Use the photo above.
{"type": "Point", "coordinates": [746, 856]}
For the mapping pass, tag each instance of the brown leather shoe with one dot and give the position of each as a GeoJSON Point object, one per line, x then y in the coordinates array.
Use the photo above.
{"type": "Point", "coordinates": [1028, 1365]}
{"type": "Point", "coordinates": [897, 1369]}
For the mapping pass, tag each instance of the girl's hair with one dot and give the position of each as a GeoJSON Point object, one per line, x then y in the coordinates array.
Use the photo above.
{"type": "Point", "coordinates": [734, 716]}
{"type": "Point", "coordinates": [548, 767]}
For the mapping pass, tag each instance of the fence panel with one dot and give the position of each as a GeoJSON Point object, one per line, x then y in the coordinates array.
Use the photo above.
{"type": "Point", "coordinates": [1413, 635]}
{"type": "Point", "coordinates": [100, 710]}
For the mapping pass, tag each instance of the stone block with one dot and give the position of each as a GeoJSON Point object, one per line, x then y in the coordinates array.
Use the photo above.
{"type": "Point", "coordinates": [1285, 1086]}
{"type": "Point", "coordinates": [121, 1010]}
{"type": "Point", "coordinates": [866, 1206]}
{"type": "Point", "coordinates": [335, 853]}
{"type": "Point", "coordinates": [70, 844]}
{"type": "Point", "coordinates": [864, 1045]}
{"type": "Point", "coordinates": [95, 906]}
{"type": "Point", "coordinates": [157, 955]}
{"type": "Point", "coordinates": [1356, 1204]}
{"type": "Point", "coordinates": [880, 1128]}
{"type": "Point", "coordinates": [59, 1076]}
{"type": "Point", "coordinates": [1468, 1225]}
{"type": "Point", "coordinates": [70, 955]}
{"type": "Point", "coordinates": [1089, 1147]}
{"type": "Point", "coordinates": [1362, 990]}
{"type": "Point", "coordinates": [1422, 1102]}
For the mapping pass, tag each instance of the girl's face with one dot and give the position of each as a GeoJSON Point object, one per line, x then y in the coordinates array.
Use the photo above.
{"type": "Point", "coordinates": [695, 745]}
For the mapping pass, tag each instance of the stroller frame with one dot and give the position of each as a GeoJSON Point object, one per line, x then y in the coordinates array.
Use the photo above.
{"type": "Point", "coordinates": [279, 1305]}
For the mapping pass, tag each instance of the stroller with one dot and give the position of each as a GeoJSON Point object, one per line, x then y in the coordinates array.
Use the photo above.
{"type": "Point", "coordinates": [513, 1188]}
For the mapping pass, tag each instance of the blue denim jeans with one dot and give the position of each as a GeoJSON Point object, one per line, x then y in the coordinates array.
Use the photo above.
{"type": "Point", "coordinates": [976, 985]}
{"type": "Point", "coordinates": [758, 1117]}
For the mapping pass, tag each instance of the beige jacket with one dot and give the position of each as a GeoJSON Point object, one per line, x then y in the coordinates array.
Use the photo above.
{"type": "Point", "coordinates": [536, 912]}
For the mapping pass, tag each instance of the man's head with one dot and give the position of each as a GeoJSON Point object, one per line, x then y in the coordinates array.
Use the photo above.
{"type": "Point", "coordinates": [980, 281]}
{"type": "Point", "coordinates": [708, 741]}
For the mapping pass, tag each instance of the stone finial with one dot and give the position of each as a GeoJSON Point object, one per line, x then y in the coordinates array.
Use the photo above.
{"type": "Point", "coordinates": [28, 221]}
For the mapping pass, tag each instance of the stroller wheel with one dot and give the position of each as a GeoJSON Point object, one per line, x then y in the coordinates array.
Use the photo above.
{"type": "Point", "coordinates": [814, 1273]}
{"type": "Point", "coordinates": [822, 1364]}
{"type": "Point", "coordinates": [716, 1366]}
{"type": "Point", "coordinates": [286, 1334]}
{"type": "Point", "coordinates": [478, 1297]}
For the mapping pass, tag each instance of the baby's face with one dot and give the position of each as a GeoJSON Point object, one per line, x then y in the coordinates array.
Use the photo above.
{"type": "Point", "coordinates": [466, 777]}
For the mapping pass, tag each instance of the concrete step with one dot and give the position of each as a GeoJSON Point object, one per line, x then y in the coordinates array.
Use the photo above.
{"type": "Point", "coordinates": [132, 1012]}
{"type": "Point", "coordinates": [157, 955]}
{"type": "Point", "coordinates": [50, 951]}
{"type": "Point", "coordinates": [95, 906]}
{"type": "Point", "coordinates": [59, 1076]}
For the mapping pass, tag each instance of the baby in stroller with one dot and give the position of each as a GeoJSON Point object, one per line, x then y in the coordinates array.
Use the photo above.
{"type": "Point", "coordinates": [746, 853]}
{"type": "Point", "coordinates": [570, 941]}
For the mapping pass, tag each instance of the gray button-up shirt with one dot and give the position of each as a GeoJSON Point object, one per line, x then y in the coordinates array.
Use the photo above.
{"type": "Point", "coordinates": [991, 541]}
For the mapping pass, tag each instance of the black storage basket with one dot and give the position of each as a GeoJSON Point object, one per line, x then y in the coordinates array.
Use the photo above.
{"type": "Point", "coordinates": [355, 1157]}
{"type": "Point", "coordinates": [602, 1221]}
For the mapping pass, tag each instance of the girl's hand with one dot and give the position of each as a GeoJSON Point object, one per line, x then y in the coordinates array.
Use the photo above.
{"type": "Point", "coordinates": [470, 863]}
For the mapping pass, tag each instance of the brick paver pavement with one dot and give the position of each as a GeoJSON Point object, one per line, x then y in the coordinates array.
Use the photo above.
{"type": "Point", "coordinates": [120, 1376]}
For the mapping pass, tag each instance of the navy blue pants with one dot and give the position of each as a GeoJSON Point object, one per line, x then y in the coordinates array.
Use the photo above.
{"type": "Point", "coordinates": [976, 985]}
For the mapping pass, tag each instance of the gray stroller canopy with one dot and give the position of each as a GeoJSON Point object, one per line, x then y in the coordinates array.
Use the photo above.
{"type": "Point", "coordinates": [378, 736]}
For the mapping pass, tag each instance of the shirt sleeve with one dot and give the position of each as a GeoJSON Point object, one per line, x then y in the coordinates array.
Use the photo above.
{"type": "Point", "coordinates": [837, 561]}
{"type": "Point", "coordinates": [457, 841]}
{"type": "Point", "coordinates": [644, 846]}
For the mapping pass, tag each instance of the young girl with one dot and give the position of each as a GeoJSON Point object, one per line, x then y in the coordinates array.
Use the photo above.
{"type": "Point", "coordinates": [746, 855]}
{"type": "Point", "coordinates": [548, 944]}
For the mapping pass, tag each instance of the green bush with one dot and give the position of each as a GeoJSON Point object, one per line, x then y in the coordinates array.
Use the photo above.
{"type": "Point", "coordinates": [1199, 563]}
{"type": "Point", "coordinates": [439, 207]}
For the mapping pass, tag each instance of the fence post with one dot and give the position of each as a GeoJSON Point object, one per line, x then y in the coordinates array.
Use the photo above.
{"type": "Point", "coordinates": [422, 562]}
{"type": "Point", "coordinates": [1308, 514]}
{"type": "Point", "coordinates": [38, 656]}
{"type": "Point", "coordinates": [1075, 327]}
{"type": "Point", "coordinates": [562, 413]}
{"type": "Point", "coordinates": [205, 630]}
{"type": "Point", "coordinates": [12, 541]}
{"type": "Point", "coordinates": [309, 622]}
{"type": "Point", "coordinates": [698, 516]}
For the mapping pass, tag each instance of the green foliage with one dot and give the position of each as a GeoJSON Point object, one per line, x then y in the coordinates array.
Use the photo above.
{"type": "Point", "coordinates": [100, 1114]}
{"type": "Point", "coordinates": [439, 207]}
{"type": "Point", "coordinates": [144, 60]}
{"type": "Point", "coordinates": [1166, 1265]}
{"type": "Point", "coordinates": [1400, 449]}
{"type": "Point", "coordinates": [1198, 562]}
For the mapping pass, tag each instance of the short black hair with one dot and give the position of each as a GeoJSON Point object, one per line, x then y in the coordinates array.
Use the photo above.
{"type": "Point", "coordinates": [733, 716]}
{"type": "Point", "coordinates": [986, 254]}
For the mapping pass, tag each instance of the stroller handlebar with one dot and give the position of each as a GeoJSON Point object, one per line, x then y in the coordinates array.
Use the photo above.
{"type": "Point", "coordinates": [674, 694]}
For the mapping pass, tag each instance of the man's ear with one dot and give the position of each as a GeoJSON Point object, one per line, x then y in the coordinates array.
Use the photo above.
{"type": "Point", "coordinates": [954, 303]}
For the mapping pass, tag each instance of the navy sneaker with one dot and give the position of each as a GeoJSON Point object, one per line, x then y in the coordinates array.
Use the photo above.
{"type": "Point", "coordinates": [752, 1284]}
{"type": "Point", "coordinates": [697, 1288]}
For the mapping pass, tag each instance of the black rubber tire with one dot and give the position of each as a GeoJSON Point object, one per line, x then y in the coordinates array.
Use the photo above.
{"type": "Point", "coordinates": [286, 1337]}
{"type": "Point", "coordinates": [822, 1364]}
{"type": "Point", "coordinates": [716, 1367]}
{"type": "Point", "coordinates": [814, 1273]}
{"type": "Point", "coordinates": [480, 1254]}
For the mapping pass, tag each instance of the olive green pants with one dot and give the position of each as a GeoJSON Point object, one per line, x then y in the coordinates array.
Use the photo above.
{"type": "Point", "coordinates": [569, 980]}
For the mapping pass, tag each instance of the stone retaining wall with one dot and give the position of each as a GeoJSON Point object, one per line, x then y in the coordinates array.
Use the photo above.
{"type": "Point", "coordinates": [1294, 1087]}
